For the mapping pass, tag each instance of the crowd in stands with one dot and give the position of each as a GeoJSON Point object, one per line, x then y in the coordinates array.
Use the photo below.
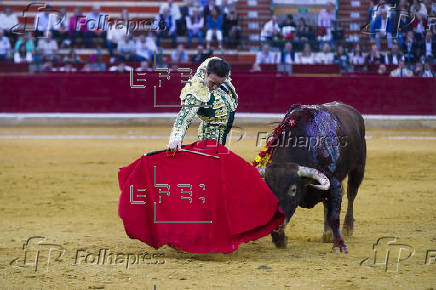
{"type": "Point", "coordinates": [216, 24]}
{"type": "Point", "coordinates": [411, 48]}
{"type": "Point", "coordinates": [209, 22]}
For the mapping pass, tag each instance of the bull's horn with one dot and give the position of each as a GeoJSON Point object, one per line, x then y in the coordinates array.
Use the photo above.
{"type": "Point", "coordinates": [324, 182]}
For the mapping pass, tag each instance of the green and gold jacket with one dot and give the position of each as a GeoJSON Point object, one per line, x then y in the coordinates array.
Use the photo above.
{"type": "Point", "coordinates": [215, 109]}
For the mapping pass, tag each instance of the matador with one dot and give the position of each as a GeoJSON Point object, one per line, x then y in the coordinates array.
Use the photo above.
{"type": "Point", "coordinates": [210, 95]}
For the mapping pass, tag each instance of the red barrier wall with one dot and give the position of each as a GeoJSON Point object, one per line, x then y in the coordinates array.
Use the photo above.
{"type": "Point", "coordinates": [259, 92]}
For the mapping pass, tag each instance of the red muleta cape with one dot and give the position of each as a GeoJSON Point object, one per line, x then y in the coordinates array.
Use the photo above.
{"type": "Point", "coordinates": [196, 203]}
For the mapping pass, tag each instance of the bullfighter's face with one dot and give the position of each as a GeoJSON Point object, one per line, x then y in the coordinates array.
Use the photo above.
{"type": "Point", "coordinates": [213, 81]}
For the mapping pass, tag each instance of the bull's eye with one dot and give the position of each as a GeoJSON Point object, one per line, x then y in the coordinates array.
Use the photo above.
{"type": "Point", "coordinates": [292, 190]}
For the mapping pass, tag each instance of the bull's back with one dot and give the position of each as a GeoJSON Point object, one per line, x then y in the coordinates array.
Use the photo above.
{"type": "Point", "coordinates": [340, 133]}
{"type": "Point", "coordinates": [352, 127]}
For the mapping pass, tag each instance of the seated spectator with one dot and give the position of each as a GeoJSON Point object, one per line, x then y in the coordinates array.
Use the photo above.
{"type": "Point", "coordinates": [97, 63]}
{"type": "Point", "coordinates": [418, 8]}
{"type": "Point", "coordinates": [68, 67]}
{"type": "Point", "coordinates": [194, 25]}
{"type": "Point", "coordinates": [429, 45]}
{"type": "Point", "coordinates": [231, 28]}
{"type": "Point", "coordinates": [427, 71]}
{"type": "Point", "coordinates": [5, 47]}
{"type": "Point", "coordinates": [402, 70]}
{"type": "Point", "coordinates": [77, 27]}
{"type": "Point", "coordinates": [214, 28]}
{"type": "Point", "coordinates": [303, 34]}
{"type": "Point", "coordinates": [265, 56]}
{"type": "Point", "coordinates": [48, 48]}
{"type": "Point", "coordinates": [185, 11]}
{"type": "Point", "coordinates": [96, 29]}
{"type": "Point", "coordinates": [374, 56]}
{"type": "Point", "coordinates": [325, 56]}
{"type": "Point", "coordinates": [116, 33]}
{"type": "Point", "coordinates": [24, 48]}
{"type": "Point", "coordinates": [419, 26]}
{"type": "Point", "coordinates": [341, 58]}
{"type": "Point", "coordinates": [127, 49]}
{"type": "Point", "coordinates": [121, 67]}
{"type": "Point", "coordinates": [166, 27]}
{"type": "Point", "coordinates": [224, 6]}
{"type": "Point", "coordinates": [44, 21]}
{"type": "Point", "coordinates": [372, 14]}
{"type": "Point", "coordinates": [145, 47]}
{"type": "Point", "coordinates": [383, 28]}
{"type": "Point", "coordinates": [173, 9]}
{"type": "Point", "coordinates": [288, 28]}
{"type": "Point", "coordinates": [326, 21]}
{"type": "Point", "coordinates": [8, 21]}
{"type": "Point", "coordinates": [306, 57]}
{"type": "Point", "coordinates": [287, 56]}
{"type": "Point", "coordinates": [270, 30]}
{"type": "Point", "coordinates": [411, 48]}
{"type": "Point", "coordinates": [405, 21]}
{"type": "Point", "coordinates": [179, 55]}
{"type": "Point", "coordinates": [381, 70]}
{"type": "Point", "coordinates": [356, 56]}
{"type": "Point", "coordinates": [201, 55]}
{"type": "Point", "coordinates": [144, 66]}
{"type": "Point", "coordinates": [87, 67]}
{"type": "Point", "coordinates": [208, 8]}
{"type": "Point", "coordinates": [72, 57]}
{"type": "Point", "coordinates": [418, 69]}
{"type": "Point", "coordinates": [60, 26]}
{"type": "Point", "coordinates": [394, 56]}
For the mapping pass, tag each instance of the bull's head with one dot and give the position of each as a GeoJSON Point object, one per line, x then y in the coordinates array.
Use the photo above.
{"type": "Point", "coordinates": [292, 185]}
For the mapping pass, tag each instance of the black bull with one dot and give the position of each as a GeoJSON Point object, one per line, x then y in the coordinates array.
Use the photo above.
{"type": "Point", "coordinates": [309, 161]}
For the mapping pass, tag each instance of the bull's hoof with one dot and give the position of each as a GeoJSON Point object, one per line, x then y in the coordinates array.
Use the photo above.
{"type": "Point", "coordinates": [327, 237]}
{"type": "Point", "coordinates": [279, 239]}
{"type": "Point", "coordinates": [340, 247]}
{"type": "Point", "coordinates": [347, 230]}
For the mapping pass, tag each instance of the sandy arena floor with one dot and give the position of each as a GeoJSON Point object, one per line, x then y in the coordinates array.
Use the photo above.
{"type": "Point", "coordinates": [61, 184]}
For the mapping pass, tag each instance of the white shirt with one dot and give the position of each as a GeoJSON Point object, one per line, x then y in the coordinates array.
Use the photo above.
{"type": "Point", "coordinates": [61, 22]}
{"type": "Point", "coordinates": [268, 29]}
{"type": "Point", "coordinates": [196, 26]}
{"type": "Point", "coordinates": [47, 47]}
{"type": "Point", "coordinates": [8, 21]}
{"type": "Point", "coordinates": [401, 73]}
{"type": "Point", "coordinates": [116, 34]}
{"type": "Point", "coordinates": [44, 21]}
{"type": "Point", "coordinates": [427, 74]}
{"type": "Point", "coordinates": [262, 58]}
{"type": "Point", "coordinates": [325, 58]}
{"type": "Point", "coordinates": [288, 59]}
{"type": "Point", "coordinates": [301, 59]}
{"type": "Point", "coordinates": [428, 50]}
{"type": "Point", "coordinates": [395, 59]}
{"type": "Point", "coordinates": [357, 59]}
{"type": "Point", "coordinates": [5, 45]}
{"type": "Point", "coordinates": [174, 11]}
{"type": "Point", "coordinates": [325, 18]}
{"type": "Point", "coordinates": [144, 49]}
{"type": "Point", "coordinates": [125, 68]}
{"type": "Point", "coordinates": [127, 46]}
{"type": "Point", "coordinates": [95, 21]}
